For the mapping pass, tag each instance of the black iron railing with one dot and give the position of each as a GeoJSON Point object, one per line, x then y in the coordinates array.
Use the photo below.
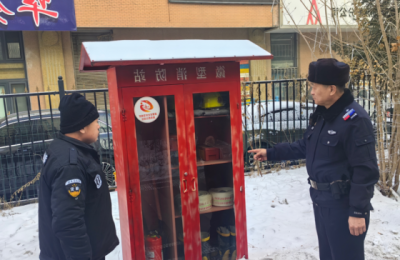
{"type": "Point", "coordinates": [284, 73]}
{"type": "Point", "coordinates": [273, 112]}
{"type": "Point", "coordinates": [279, 110]}
{"type": "Point", "coordinates": [28, 128]}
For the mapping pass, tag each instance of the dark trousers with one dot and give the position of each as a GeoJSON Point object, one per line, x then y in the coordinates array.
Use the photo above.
{"type": "Point", "coordinates": [334, 238]}
{"type": "Point", "coordinates": [103, 258]}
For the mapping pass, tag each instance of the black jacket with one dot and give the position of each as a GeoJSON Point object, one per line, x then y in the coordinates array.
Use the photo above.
{"type": "Point", "coordinates": [337, 149]}
{"type": "Point", "coordinates": [75, 218]}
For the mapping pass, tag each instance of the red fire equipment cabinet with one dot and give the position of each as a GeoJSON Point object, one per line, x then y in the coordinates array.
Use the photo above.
{"type": "Point", "coordinates": [177, 133]}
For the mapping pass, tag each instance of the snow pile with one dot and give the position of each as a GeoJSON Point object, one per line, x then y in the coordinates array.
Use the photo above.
{"type": "Point", "coordinates": [280, 223]}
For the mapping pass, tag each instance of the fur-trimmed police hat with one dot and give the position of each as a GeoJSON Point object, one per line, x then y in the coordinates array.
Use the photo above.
{"type": "Point", "coordinates": [329, 72]}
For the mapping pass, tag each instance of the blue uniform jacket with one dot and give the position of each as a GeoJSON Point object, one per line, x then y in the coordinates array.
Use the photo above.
{"type": "Point", "coordinates": [337, 149]}
{"type": "Point", "coordinates": [75, 217]}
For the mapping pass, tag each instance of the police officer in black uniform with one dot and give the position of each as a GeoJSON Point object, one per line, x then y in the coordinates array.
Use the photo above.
{"type": "Point", "coordinates": [339, 148]}
{"type": "Point", "coordinates": [75, 218]}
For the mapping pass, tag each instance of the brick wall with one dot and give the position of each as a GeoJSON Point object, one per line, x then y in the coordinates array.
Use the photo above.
{"type": "Point", "coordinates": [161, 14]}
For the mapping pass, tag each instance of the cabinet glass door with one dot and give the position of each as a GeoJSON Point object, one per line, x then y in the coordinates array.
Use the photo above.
{"type": "Point", "coordinates": [213, 166]}
{"type": "Point", "coordinates": [159, 153]}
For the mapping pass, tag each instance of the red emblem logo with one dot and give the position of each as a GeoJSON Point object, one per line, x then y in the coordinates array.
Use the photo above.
{"type": "Point", "coordinates": [146, 106]}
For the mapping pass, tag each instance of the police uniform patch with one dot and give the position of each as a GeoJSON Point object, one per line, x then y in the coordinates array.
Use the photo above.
{"type": "Point", "coordinates": [353, 116]}
{"type": "Point", "coordinates": [350, 114]}
{"type": "Point", "coordinates": [98, 181]}
{"type": "Point", "coordinates": [74, 187]}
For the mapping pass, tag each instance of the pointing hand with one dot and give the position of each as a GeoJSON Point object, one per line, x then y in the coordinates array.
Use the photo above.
{"type": "Point", "coordinates": [259, 154]}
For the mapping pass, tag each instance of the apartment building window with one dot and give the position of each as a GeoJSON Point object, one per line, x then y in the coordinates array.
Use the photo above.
{"type": "Point", "coordinates": [11, 47]}
{"type": "Point", "coordinates": [12, 72]}
{"type": "Point", "coordinates": [284, 48]}
{"type": "Point", "coordinates": [284, 64]}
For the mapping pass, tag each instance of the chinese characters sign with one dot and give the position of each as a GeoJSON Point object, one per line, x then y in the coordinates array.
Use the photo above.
{"type": "Point", "coordinates": [181, 74]}
{"type": "Point", "coordinates": [310, 14]}
{"type": "Point", "coordinates": [178, 73]}
{"type": "Point", "coordinates": [37, 15]}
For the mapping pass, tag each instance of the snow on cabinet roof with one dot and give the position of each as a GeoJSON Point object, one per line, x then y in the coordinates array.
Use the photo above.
{"type": "Point", "coordinates": [101, 55]}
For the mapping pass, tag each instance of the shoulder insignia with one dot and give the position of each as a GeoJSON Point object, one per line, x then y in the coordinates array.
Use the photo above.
{"type": "Point", "coordinates": [73, 156]}
{"type": "Point", "coordinates": [350, 115]}
{"type": "Point", "coordinates": [74, 187]}
{"type": "Point", "coordinates": [45, 156]}
{"type": "Point", "coordinates": [98, 181]}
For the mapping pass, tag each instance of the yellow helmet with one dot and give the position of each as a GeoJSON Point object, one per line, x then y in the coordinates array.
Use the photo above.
{"type": "Point", "coordinates": [212, 100]}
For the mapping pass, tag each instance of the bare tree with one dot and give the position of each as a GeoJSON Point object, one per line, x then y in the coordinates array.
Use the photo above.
{"type": "Point", "coordinates": [374, 50]}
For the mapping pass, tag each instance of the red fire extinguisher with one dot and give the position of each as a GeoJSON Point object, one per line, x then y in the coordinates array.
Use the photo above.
{"type": "Point", "coordinates": [153, 247]}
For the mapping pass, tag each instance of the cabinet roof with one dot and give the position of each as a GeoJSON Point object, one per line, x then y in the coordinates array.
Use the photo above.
{"type": "Point", "coordinates": [101, 55]}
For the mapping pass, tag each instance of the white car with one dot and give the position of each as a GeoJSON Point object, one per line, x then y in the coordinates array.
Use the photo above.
{"type": "Point", "coordinates": [273, 122]}
{"type": "Point", "coordinates": [276, 116]}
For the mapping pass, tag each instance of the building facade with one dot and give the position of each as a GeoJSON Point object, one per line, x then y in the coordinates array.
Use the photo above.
{"type": "Point", "coordinates": [302, 35]}
{"type": "Point", "coordinates": [32, 60]}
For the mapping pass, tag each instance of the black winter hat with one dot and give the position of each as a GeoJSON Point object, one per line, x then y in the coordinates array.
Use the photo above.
{"type": "Point", "coordinates": [329, 72]}
{"type": "Point", "coordinates": [76, 113]}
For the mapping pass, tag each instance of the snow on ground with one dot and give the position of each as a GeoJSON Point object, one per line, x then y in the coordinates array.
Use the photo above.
{"type": "Point", "coordinates": [277, 230]}
{"type": "Point", "coordinates": [280, 223]}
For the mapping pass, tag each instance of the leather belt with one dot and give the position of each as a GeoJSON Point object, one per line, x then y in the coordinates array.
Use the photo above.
{"type": "Point", "coordinates": [337, 188]}
{"type": "Point", "coordinates": [327, 186]}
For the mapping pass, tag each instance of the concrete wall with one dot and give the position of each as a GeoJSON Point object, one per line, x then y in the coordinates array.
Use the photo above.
{"type": "Point", "coordinates": [307, 55]}
{"type": "Point", "coordinates": [48, 55]}
{"type": "Point", "coordinates": [260, 69]}
{"type": "Point", "coordinates": [12, 71]}
{"type": "Point", "coordinates": [33, 66]}
{"type": "Point", "coordinates": [181, 33]}
{"type": "Point", "coordinates": [69, 81]}
{"type": "Point", "coordinates": [162, 14]}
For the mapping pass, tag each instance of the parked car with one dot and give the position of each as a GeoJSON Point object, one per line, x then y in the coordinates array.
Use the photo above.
{"type": "Point", "coordinates": [280, 122]}
{"type": "Point", "coordinates": [24, 137]}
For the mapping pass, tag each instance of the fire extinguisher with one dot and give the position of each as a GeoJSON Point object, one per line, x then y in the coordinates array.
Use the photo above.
{"type": "Point", "coordinates": [153, 247]}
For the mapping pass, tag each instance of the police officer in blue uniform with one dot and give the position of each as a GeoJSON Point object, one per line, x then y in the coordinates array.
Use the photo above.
{"type": "Point", "coordinates": [75, 217]}
{"type": "Point", "coordinates": [339, 148]}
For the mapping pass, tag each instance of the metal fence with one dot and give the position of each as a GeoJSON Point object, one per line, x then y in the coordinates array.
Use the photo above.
{"type": "Point", "coordinates": [284, 73]}
{"type": "Point", "coordinates": [273, 112]}
{"type": "Point", "coordinates": [28, 124]}
{"type": "Point", "coordinates": [279, 110]}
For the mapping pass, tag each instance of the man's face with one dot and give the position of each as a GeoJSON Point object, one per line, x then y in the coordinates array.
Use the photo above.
{"type": "Point", "coordinates": [90, 133]}
{"type": "Point", "coordinates": [321, 94]}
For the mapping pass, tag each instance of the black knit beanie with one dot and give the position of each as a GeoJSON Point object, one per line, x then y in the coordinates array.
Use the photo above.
{"type": "Point", "coordinates": [76, 113]}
